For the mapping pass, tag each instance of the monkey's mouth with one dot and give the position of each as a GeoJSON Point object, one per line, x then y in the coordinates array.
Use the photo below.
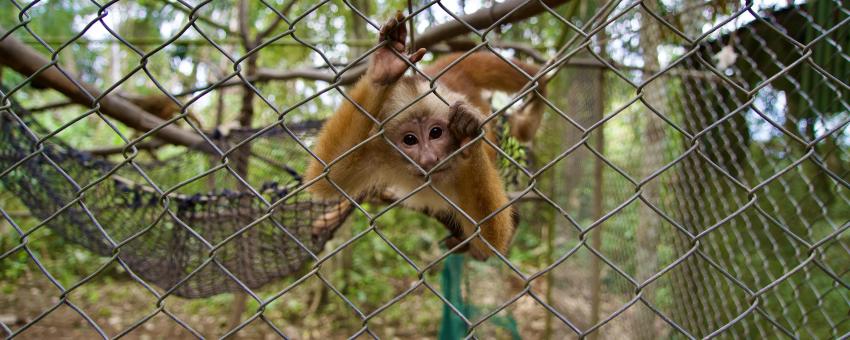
{"type": "Point", "coordinates": [435, 172]}
{"type": "Point", "coordinates": [439, 170]}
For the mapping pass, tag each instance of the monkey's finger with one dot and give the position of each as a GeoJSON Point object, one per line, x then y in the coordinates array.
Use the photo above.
{"type": "Point", "coordinates": [401, 31]}
{"type": "Point", "coordinates": [387, 30]}
{"type": "Point", "coordinates": [417, 56]}
{"type": "Point", "coordinates": [397, 46]}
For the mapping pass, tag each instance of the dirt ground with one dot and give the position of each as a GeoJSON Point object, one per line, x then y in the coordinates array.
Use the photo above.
{"type": "Point", "coordinates": [118, 305]}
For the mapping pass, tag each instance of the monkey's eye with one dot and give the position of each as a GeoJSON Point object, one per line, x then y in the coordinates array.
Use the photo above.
{"type": "Point", "coordinates": [410, 140]}
{"type": "Point", "coordinates": [435, 133]}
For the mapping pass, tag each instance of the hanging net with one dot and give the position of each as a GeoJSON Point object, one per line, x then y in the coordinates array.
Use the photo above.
{"type": "Point", "coordinates": [146, 237]}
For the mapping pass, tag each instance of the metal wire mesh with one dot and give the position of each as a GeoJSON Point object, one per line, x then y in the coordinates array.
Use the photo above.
{"type": "Point", "coordinates": [695, 205]}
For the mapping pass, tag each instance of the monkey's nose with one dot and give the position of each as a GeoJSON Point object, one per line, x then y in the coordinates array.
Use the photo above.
{"type": "Point", "coordinates": [428, 162]}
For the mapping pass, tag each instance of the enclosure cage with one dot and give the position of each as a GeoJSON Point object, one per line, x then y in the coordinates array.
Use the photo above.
{"type": "Point", "coordinates": [690, 177]}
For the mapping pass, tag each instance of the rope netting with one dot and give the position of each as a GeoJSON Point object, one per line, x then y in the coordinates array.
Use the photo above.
{"type": "Point", "coordinates": [129, 212]}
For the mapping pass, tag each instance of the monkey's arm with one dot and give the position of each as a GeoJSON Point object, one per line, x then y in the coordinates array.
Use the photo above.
{"type": "Point", "coordinates": [481, 196]}
{"type": "Point", "coordinates": [343, 131]}
{"type": "Point", "coordinates": [499, 229]}
{"type": "Point", "coordinates": [348, 127]}
{"type": "Point", "coordinates": [480, 192]}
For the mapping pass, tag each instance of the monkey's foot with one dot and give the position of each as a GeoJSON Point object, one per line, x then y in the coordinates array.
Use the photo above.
{"type": "Point", "coordinates": [387, 64]}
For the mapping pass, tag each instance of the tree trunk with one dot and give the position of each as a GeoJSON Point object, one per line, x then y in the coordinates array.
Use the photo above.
{"type": "Point", "coordinates": [241, 156]}
{"type": "Point", "coordinates": [598, 208]}
{"type": "Point", "coordinates": [652, 158]}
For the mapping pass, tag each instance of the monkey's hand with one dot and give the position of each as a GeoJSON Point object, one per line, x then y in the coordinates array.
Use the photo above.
{"type": "Point", "coordinates": [464, 124]}
{"type": "Point", "coordinates": [387, 64]}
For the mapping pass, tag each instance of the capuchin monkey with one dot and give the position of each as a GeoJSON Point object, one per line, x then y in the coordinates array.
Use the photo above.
{"type": "Point", "coordinates": [405, 151]}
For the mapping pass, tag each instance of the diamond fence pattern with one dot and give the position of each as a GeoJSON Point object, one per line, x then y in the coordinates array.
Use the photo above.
{"type": "Point", "coordinates": [737, 209]}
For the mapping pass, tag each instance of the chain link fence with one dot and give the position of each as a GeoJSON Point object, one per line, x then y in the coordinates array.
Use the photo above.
{"type": "Point", "coordinates": [690, 179]}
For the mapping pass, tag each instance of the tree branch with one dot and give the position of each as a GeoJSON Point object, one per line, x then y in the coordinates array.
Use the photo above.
{"type": "Point", "coordinates": [244, 31]}
{"type": "Point", "coordinates": [114, 150]}
{"type": "Point", "coordinates": [27, 61]}
{"type": "Point", "coordinates": [480, 19]}
{"type": "Point", "coordinates": [278, 18]}
{"type": "Point", "coordinates": [200, 17]}
{"type": "Point", "coordinates": [518, 9]}
{"type": "Point", "coordinates": [52, 106]}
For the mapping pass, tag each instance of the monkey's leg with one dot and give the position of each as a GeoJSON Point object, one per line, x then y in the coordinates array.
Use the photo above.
{"type": "Point", "coordinates": [331, 218]}
{"type": "Point", "coordinates": [498, 231]}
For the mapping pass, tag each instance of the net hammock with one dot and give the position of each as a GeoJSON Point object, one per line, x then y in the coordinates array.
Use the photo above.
{"type": "Point", "coordinates": [160, 250]}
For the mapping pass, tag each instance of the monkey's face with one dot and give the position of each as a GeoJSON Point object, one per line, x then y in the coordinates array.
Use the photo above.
{"type": "Point", "coordinates": [425, 140]}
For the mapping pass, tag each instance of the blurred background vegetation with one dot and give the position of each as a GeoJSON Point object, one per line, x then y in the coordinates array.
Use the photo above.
{"type": "Point", "coordinates": [742, 141]}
